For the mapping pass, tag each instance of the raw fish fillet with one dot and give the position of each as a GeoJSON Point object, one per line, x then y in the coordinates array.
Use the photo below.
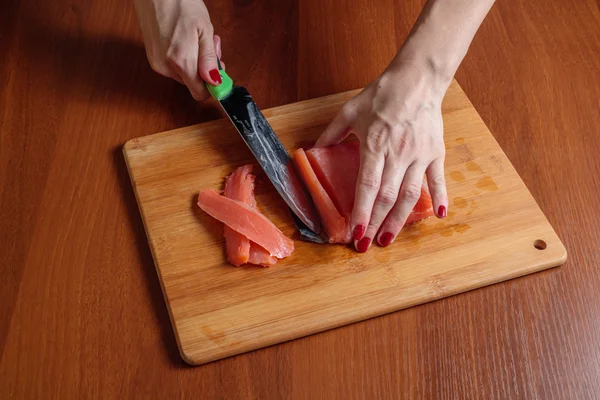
{"type": "Point", "coordinates": [423, 209]}
{"type": "Point", "coordinates": [337, 169]}
{"type": "Point", "coordinates": [260, 256]}
{"type": "Point", "coordinates": [247, 221]}
{"type": "Point", "coordinates": [335, 225]}
{"type": "Point", "coordinates": [330, 173]}
{"type": "Point", "coordinates": [240, 186]}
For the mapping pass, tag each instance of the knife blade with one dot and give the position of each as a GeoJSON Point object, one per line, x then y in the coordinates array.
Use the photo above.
{"type": "Point", "coordinates": [268, 150]}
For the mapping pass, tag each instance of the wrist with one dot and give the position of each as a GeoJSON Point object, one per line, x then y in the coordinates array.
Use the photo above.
{"type": "Point", "coordinates": [437, 66]}
{"type": "Point", "coordinates": [441, 37]}
{"type": "Point", "coordinates": [420, 76]}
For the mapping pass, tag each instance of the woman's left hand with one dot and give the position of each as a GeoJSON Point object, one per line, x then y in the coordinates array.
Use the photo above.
{"type": "Point", "coordinates": [398, 121]}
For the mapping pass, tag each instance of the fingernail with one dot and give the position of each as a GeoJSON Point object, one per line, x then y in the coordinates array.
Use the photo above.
{"type": "Point", "coordinates": [386, 239]}
{"type": "Point", "coordinates": [358, 232]}
{"type": "Point", "coordinates": [363, 245]}
{"type": "Point", "coordinates": [442, 211]}
{"type": "Point", "coordinates": [215, 76]}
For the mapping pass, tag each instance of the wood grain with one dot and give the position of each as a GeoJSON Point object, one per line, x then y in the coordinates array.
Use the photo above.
{"type": "Point", "coordinates": [494, 231]}
{"type": "Point", "coordinates": [81, 309]}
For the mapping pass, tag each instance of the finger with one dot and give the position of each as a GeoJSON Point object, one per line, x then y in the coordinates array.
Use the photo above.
{"type": "Point", "coordinates": [410, 193]}
{"type": "Point", "coordinates": [207, 57]}
{"type": "Point", "coordinates": [437, 187]}
{"type": "Point", "coordinates": [183, 60]}
{"type": "Point", "coordinates": [393, 174]}
{"type": "Point", "coordinates": [217, 41]}
{"type": "Point", "coordinates": [367, 187]}
{"type": "Point", "coordinates": [337, 130]}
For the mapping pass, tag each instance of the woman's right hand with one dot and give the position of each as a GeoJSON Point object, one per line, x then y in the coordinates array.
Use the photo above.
{"type": "Point", "coordinates": [180, 43]}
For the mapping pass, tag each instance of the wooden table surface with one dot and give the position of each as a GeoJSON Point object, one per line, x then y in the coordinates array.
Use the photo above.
{"type": "Point", "coordinates": [81, 310]}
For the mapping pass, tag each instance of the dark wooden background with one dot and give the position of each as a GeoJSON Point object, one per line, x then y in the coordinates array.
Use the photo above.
{"type": "Point", "coordinates": [81, 311]}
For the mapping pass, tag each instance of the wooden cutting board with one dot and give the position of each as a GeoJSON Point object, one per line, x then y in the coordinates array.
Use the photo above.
{"type": "Point", "coordinates": [494, 231]}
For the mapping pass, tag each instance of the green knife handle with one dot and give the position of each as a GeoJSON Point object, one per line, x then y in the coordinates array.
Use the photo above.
{"type": "Point", "coordinates": [221, 91]}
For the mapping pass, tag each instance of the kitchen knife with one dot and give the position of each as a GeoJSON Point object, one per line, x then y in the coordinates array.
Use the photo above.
{"type": "Point", "coordinates": [270, 154]}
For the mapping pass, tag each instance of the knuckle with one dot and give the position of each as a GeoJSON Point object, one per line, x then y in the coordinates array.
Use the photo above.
{"type": "Point", "coordinates": [376, 139]}
{"type": "Point", "coordinates": [372, 227]}
{"type": "Point", "coordinates": [411, 193]}
{"type": "Point", "coordinates": [393, 223]}
{"type": "Point", "coordinates": [189, 24]}
{"type": "Point", "coordinates": [206, 37]}
{"type": "Point", "coordinates": [206, 28]}
{"type": "Point", "coordinates": [207, 54]}
{"type": "Point", "coordinates": [177, 59]}
{"type": "Point", "coordinates": [438, 180]}
{"type": "Point", "coordinates": [348, 109]}
{"type": "Point", "coordinates": [387, 196]}
{"type": "Point", "coordinates": [369, 180]}
{"type": "Point", "coordinates": [404, 143]}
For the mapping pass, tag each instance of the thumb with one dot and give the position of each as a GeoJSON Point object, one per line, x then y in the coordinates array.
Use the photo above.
{"type": "Point", "coordinates": [207, 59]}
{"type": "Point", "coordinates": [217, 40]}
{"type": "Point", "coordinates": [337, 130]}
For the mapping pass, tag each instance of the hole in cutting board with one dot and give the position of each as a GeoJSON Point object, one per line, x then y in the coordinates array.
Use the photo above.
{"type": "Point", "coordinates": [540, 244]}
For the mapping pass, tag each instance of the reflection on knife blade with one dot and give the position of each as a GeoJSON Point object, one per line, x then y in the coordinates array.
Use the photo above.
{"type": "Point", "coordinates": [273, 158]}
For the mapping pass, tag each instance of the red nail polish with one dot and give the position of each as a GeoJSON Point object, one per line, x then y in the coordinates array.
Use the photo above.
{"type": "Point", "coordinates": [215, 76]}
{"type": "Point", "coordinates": [442, 211]}
{"type": "Point", "coordinates": [386, 239]}
{"type": "Point", "coordinates": [358, 232]}
{"type": "Point", "coordinates": [363, 245]}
